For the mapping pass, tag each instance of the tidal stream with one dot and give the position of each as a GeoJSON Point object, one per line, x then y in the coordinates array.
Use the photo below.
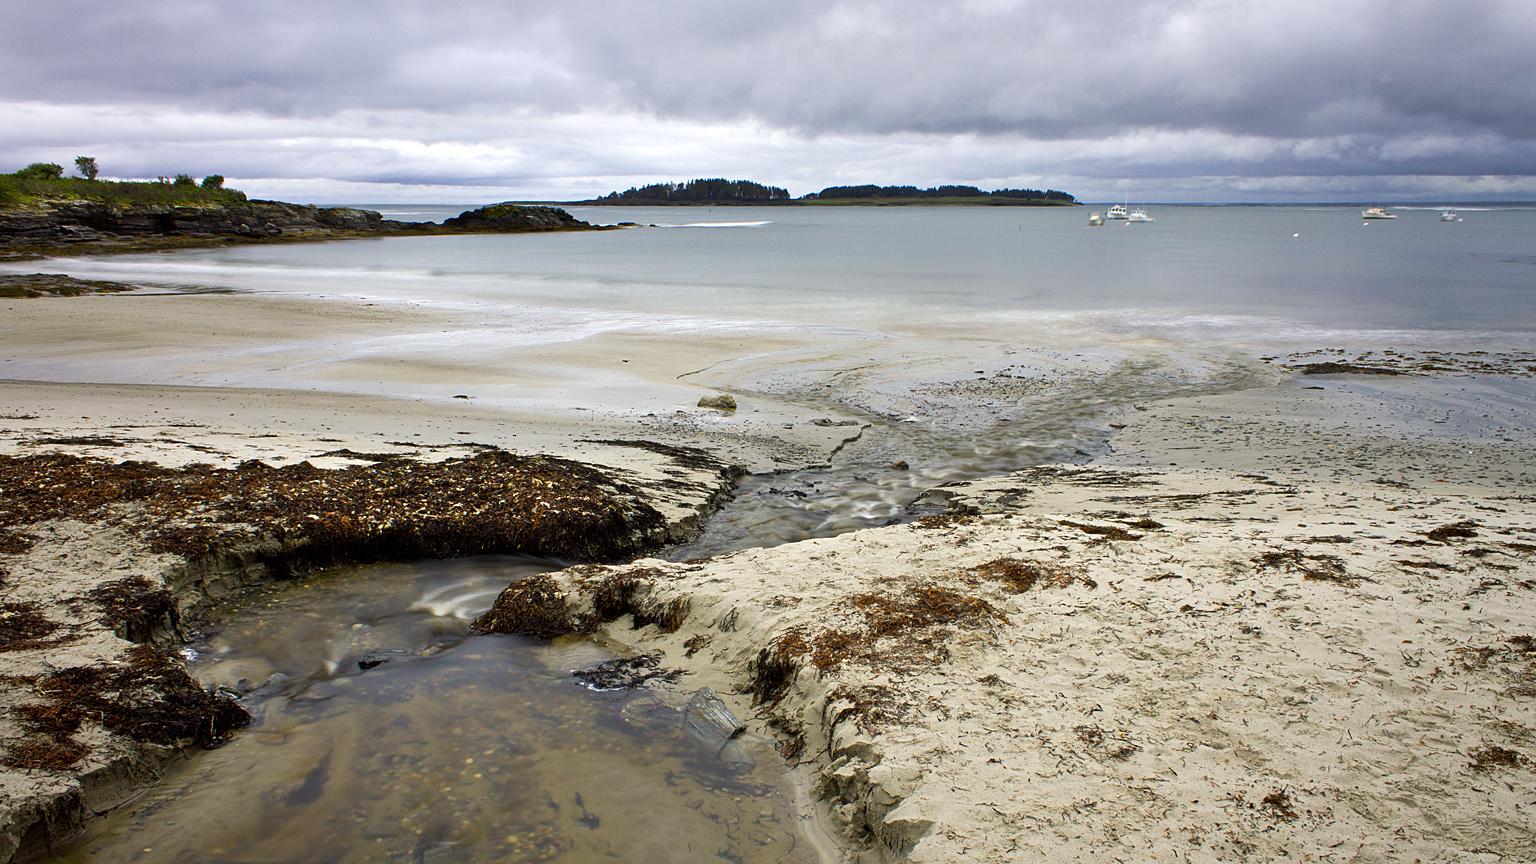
{"type": "Point", "coordinates": [385, 731]}
{"type": "Point", "coordinates": [449, 747]}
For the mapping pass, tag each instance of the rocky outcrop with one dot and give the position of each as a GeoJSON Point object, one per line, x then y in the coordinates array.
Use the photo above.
{"type": "Point", "coordinates": [81, 225]}
{"type": "Point", "coordinates": [79, 221]}
{"type": "Point", "coordinates": [507, 216]}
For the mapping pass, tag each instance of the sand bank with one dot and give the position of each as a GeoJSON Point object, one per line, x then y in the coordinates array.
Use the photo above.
{"type": "Point", "coordinates": [1304, 635]}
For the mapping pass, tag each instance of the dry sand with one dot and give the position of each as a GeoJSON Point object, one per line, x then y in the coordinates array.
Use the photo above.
{"type": "Point", "coordinates": [1241, 637]}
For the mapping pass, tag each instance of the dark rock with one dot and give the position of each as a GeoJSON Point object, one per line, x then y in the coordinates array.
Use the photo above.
{"type": "Point", "coordinates": [60, 223]}
{"type": "Point", "coordinates": [626, 673]}
{"type": "Point", "coordinates": [722, 402]}
{"type": "Point", "coordinates": [707, 720]}
{"type": "Point", "coordinates": [88, 220]}
{"type": "Point", "coordinates": [78, 233]}
{"type": "Point", "coordinates": [508, 217]}
{"type": "Point", "coordinates": [54, 284]}
{"type": "Point", "coordinates": [350, 218]}
{"type": "Point", "coordinates": [379, 658]}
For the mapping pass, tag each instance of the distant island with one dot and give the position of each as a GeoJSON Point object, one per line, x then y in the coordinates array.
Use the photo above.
{"type": "Point", "coordinates": [744, 192]}
{"type": "Point", "coordinates": [693, 192]}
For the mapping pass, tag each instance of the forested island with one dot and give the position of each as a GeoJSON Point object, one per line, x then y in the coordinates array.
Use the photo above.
{"type": "Point", "coordinates": [721, 191]}
{"type": "Point", "coordinates": [712, 191]}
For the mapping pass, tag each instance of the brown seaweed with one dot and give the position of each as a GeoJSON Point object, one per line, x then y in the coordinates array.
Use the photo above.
{"type": "Point", "coordinates": [149, 698]}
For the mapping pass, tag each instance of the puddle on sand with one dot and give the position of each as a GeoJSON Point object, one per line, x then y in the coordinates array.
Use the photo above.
{"type": "Point", "coordinates": [454, 749]}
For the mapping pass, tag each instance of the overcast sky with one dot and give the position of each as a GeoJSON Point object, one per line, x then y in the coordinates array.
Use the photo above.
{"type": "Point", "coordinates": [462, 102]}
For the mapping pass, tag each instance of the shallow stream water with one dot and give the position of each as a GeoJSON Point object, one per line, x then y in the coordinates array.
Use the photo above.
{"type": "Point", "coordinates": [456, 748]}
{"type": "Point", "coordinates": [916, 430]}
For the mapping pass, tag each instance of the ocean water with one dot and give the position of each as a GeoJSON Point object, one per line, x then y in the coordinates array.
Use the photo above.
{"type": "Point", "coordinates": [1216, 272]}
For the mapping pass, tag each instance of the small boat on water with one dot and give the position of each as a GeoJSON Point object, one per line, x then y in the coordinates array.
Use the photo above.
{"type": "Point", "coordinates": [1117, 211]}
{"type": "Point", "coordinates": [1138, 215]}
{"type": "Point", "coordinates": [1095, 218]}
{"type": "Point", "coordinates": [1449, 215]}
{"type": "Point", "coordinates": [1376, 213]}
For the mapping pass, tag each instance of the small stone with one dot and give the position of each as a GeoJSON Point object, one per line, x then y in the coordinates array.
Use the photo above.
{"type": "Point", "coordinates": [722, 402]}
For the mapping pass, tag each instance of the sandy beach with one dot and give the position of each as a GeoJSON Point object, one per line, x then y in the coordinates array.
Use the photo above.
{"type": "Point", "coordinates": [1288, 620]}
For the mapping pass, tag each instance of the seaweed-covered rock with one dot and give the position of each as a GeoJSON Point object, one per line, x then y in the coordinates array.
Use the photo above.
{"type": "Point", "coordinates": [509, 217]}
{"type": "Point", "coordinates": [626, 673]}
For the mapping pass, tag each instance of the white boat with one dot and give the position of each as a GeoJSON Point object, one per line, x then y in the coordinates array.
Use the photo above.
{"type": "Point", "coordinates": [1376, 213]}
{"type": "Point", "coordinates": [1449, 215]}
{"type": "Point", "coordinates": [1117, 211]}
{"type": "Point", "coordinates": [1139, 215]}
{"type": "Point", "coordinates": [1095, 218]}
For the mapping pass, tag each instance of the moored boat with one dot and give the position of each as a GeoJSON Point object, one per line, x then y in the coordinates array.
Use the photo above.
{"type": "Point", "coordinates": [1449, 214]}
{"type": "Point", "coordinates": [1095, 218]}
{"type": "Point", "coordinates": [1117, 211]}
{"type": "Point", "coordinates": [1139, 215]}
{"type": "Point", "coordinates": [1376, 213]}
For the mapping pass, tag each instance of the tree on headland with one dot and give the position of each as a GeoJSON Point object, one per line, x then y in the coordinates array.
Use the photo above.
{"type": "Point", "coordinates": [41, 171]}
{"type": "Point", "coordinates": [44, 183]}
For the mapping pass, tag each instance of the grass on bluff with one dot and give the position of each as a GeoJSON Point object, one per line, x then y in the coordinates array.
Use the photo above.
{"type": "Point", "coordinates": [21, 191]}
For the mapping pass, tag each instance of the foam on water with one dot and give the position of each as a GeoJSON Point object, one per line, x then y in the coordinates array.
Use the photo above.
{"type": "Point", "coordinates": [758, 224]}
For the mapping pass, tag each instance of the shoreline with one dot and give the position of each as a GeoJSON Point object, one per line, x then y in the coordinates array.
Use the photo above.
{"type": "Point", "coordinates": [89, 227]}
{"type": "Point", "coordinates": [1380, 461]}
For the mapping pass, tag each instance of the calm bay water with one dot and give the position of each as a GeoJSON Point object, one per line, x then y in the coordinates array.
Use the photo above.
{"type": "Point", "coordinates": [1226, 272]}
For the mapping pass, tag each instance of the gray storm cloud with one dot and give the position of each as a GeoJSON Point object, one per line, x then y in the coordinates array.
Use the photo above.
{"type": "Point", "coordinates": [566, 94]}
